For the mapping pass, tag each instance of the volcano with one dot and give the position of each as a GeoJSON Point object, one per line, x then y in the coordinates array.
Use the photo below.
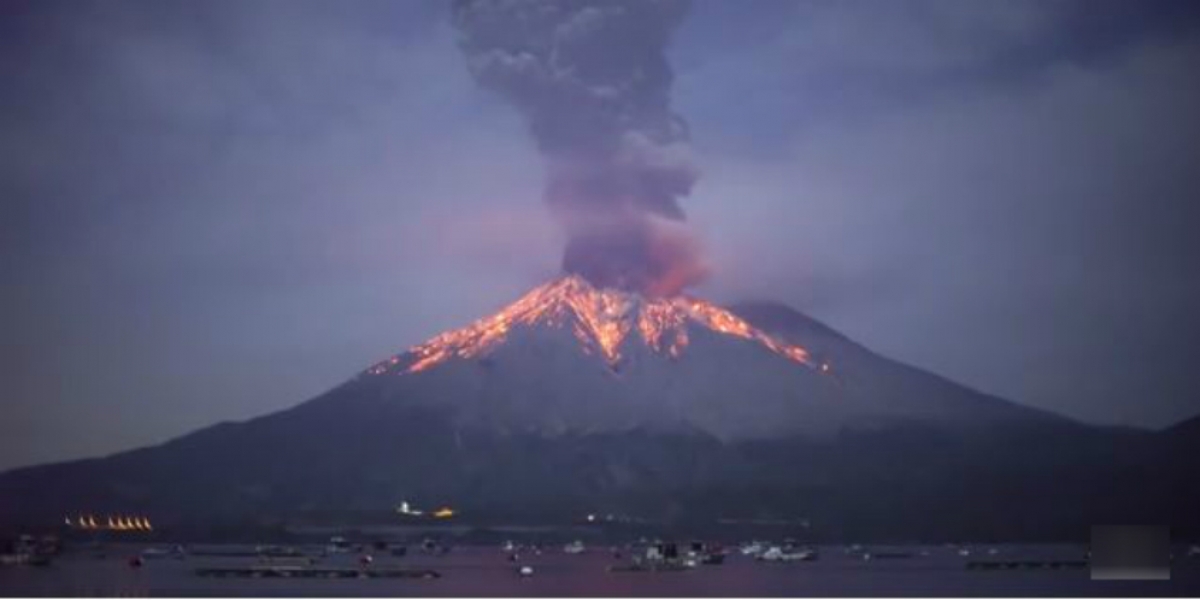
{"type": "Point", "coordinates": [572, 358]}
{"type": "Point", "coordinates": [578, 399]}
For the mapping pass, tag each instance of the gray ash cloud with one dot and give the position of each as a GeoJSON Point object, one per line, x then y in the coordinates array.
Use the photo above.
{"type": "Point", "coordinates": [592, 80]}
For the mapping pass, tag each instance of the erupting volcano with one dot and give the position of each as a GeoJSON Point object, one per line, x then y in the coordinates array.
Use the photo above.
{"type": "Point", "coordinates": [570, 357]}
{"type": "Point", "coordinates": [602, 320]}
{"type": "Point", "coordinates": [578, 398]}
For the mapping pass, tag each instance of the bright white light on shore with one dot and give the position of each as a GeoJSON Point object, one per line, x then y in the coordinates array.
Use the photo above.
{"type": "Point", "coordinates": [405, 509]}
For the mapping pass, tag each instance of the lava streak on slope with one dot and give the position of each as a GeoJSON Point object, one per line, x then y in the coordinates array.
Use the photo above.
{"type": "Point", "coordinates": [600, 318]}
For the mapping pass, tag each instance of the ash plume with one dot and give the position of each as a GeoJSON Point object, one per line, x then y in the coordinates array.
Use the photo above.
{"type": "Point", "coordinates": [592, 80]}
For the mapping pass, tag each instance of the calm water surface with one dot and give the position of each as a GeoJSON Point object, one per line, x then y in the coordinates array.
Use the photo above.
{"type": "Point", "coordinates": [482, 571]}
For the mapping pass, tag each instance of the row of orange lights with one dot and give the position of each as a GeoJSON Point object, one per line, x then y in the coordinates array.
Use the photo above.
{"type": "Point", "coordinates": [113, 523]}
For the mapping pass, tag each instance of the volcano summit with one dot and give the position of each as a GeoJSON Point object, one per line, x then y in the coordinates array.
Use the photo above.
{"type": "Point", "coordinates": [571, 357]}
{"type": "Point", "coordinates": [601, 319]}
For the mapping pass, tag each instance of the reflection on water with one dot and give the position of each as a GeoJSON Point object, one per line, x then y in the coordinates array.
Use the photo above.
{"type": "Point", "coordinates": [933, 571]}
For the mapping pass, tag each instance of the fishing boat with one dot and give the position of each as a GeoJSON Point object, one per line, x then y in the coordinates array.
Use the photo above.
{"type": "Point", "coordinates": [29, 550]}
{"type": "Point", "coordinates": [337, 545]}
{"type": "Point", "coordinates": [431, 546]}
{"type": "Point", "coordinates": [886, 554]}
{"type": "Point", "coordinates": [706, 554]}
{"type": "Point", "coordinates": [176, 552]}
{"type": "Point", "coordinates": [657, 557]}
{"type": "Point", "coordinates": [780, 554]}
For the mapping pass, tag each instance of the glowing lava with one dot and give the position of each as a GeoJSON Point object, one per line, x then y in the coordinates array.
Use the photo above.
{"type": "Point", "coordinates": [601, 319]}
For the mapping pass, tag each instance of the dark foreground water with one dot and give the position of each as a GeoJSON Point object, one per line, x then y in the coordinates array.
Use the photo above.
{"type": "Point", "coordinates": [932, 571]}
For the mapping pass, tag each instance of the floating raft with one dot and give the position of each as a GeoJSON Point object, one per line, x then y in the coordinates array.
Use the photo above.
{"type": "Point", "coordinates": [887, 555]}
{"type": "Point", "coordinates": [281, 571]}
{"type": "Point", "coordinates": [653, 568]}
{"type": "Point", "coordinates": [273, 553]}
{"type": "Point", "coordinates": [1025, 565]}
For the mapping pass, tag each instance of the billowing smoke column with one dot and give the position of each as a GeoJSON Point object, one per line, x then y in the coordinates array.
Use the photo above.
{"type": "Point", "coordinates": [592, 79]}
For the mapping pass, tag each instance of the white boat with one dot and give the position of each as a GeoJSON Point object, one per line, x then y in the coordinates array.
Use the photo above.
{"type": "Point", "coordinates": [14, 559]}
{"type": "Point", "coordinates": [778, 554]}
{"type": "Point", "coordinates": [752, 549]}
{"type": "Point", "coordinates": [575, 547]}
{"type": "Point", "coordinates": [337, 545]}
{"type": "Point", "coordinates": [175, 552]}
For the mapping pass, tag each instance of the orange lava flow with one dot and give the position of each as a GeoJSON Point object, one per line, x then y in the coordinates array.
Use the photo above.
{"type": "Point", "coordinates": [601, 319]}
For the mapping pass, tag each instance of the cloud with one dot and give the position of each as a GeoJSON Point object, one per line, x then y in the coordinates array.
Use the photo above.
{"type": "Point", "coordinates": [1031, 238]}
{"type": "Point", "coordinates": [238, 205]}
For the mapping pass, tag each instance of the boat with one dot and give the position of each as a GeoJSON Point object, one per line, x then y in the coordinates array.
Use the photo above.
{"type": "Point", "coordinates": [278, 552]}
{"type": "Point", "coordinates": [706, 554]}
{"type": "Point", "coordinates": [281, 560]}
{"type": "Point", "coordinates": [779, 554]}
{"type": "Point", "coordinates": [658, 557]}
{"type": "Point", "coordinates": [575, 547]}
{"type": "Point", "coordinates": [431, 546]}
{"type": "Point", "coordinates": [886, 554]}
{"type": "Point", "coordinates": [159, 553]}
{"type": "Point", "coordinates": [337, 545]}
{"type": "Point", "coordinates": [25, 558]}
{"type": "Point", "coordinates": [30, 550]}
